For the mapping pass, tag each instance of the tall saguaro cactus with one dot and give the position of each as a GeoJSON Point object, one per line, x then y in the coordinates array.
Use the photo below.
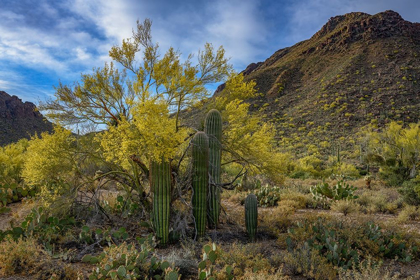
{"type": "Point", "coordinates": [213, 128]}
{"type": "Point", "coordinates": [251, 215]}
{"type": "Point", "coordinates": [200, 180]}
{"type": "Point", "coordinates": [160, 182]}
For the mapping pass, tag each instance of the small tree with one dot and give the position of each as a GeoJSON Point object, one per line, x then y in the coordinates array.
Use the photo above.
{"type": "Point", "coordinates": [396, 149]}
{"type": "Point", "coordinates": [144, 107]}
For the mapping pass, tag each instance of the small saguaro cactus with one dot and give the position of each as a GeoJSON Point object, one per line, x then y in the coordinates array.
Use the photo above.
{"type": "Point", "coordinates": [160, 182]}
{"type": "Point", "coordinates": [213, 129]}
{"type": "Point", "coordinates": [200, 180]}
{"type": "Point", "coordinates": [251, 215]}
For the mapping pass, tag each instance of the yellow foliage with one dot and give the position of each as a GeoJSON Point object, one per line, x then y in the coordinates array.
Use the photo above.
{"type": "Point", "coordinates": [396, 142]}
{"type": "Point", "coordinates": [49, 157]}
{"type": "Point", "coordinates": [246, 138]}
{"type": "Point", "coordinates": [151, 135]}
{"type": "Point", "coordinates": [12, 158]}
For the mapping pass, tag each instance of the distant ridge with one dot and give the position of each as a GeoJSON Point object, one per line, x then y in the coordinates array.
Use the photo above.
{"type": "Point", "coordinates": [358, 69]}
{"type": "Point", "coordinates": [19, 120]}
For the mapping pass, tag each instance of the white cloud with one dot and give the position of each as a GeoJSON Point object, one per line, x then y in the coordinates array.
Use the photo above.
{"type": "Point", "coordinates": [4, 85]}
{"type": "Point", "coordinates": [238, 26]}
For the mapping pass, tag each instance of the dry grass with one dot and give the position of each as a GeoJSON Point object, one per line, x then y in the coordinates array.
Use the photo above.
{"type": "Point", "coordinates": [369, 271]}
{"type": "Point", "coordinates": [307, 262]}
{"type": "Point", "coordinates": [22, 256]}
{"type": "Point", "coordinates": [409, 213]}
{"type": "Point", "coordinates": [345, 206]}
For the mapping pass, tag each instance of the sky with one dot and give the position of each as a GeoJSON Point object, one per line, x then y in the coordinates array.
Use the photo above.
{"type": "Point", "coordinates": [43, 42]}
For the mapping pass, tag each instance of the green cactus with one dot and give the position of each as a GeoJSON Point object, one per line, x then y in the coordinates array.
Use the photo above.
{"type": "Point", "coordinates": [200, 180]}
{"type": "Point", "coordinates": [251, 215]}
{"type": "Point", "coordinates": [160, 182]}
{"type": "Point", "coordinates": [213, 129]}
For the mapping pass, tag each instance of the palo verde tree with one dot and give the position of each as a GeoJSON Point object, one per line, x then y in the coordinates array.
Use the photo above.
{"type": "Point", "coordinates": [142, 103]}
{"type": "Point", "coordinates": [396, 149]}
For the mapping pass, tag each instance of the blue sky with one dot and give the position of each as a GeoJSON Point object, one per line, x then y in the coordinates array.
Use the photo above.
{"type": "Point", "coordinates": [43, 42]}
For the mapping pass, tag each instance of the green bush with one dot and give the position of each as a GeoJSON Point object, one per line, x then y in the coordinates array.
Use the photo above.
{"type": "Point", "coordinates": [339, 191]}
{"type": "Point", "coordinates": [12, 193]}
{"type": "Point", "coordinates": [126, 262]}
{"type": "Point", "coordinates": [38, 224]}
{"type": "Point", "coordinates": [268, 196]}
{"type": "Point", "coordinates": [410, 191]}
{"type": "Point", "coordinates": [344, 245]}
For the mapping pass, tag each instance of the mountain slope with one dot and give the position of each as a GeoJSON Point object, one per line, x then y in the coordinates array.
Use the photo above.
{"type": "Point", "coordinates": [358, 69]}
{"type": "Point", "coordinates": [19, 120]}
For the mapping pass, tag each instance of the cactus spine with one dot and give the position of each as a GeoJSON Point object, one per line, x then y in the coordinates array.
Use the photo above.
{"type": "Point", "coordinates": [160, 181]}
{"type": "Point", "coordinates": [200, 180]}
{"type": "Point", "coordinates": [251, 215]}
{"type": "Point", "coordinates": [213, 128]}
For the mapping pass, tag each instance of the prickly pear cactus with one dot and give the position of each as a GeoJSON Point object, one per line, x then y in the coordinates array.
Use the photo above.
{"type": "Point", "coordinates": [213, 129]}
{"type": "Point", "coordinates": [200, 180]}
{"type": "Point", "coordinates": [160, 173]}
{"type": "Point", "coordinates": [251, 215]}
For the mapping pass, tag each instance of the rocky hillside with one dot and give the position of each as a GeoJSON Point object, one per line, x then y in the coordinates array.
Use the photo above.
{"type": "Point", "coordinates": [358, 69]}
{"type": "Point", "coordinates": [19, 120]}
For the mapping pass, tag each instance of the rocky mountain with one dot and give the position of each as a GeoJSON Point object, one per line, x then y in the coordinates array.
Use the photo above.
{"type": "Point", "coordinates": [19, 120]}
{"type": "Point", "coordinates": [359, 69]}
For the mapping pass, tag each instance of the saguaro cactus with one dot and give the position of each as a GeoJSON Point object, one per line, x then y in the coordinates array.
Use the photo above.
{"type": "Point", "coordinates": [213, 129]}
{"type": "Point", "coordinates": [200, 180]}
{"type": "Point", "coordinates": [160, 182]}
{"type": "Point", "coordinates": [251, 215]}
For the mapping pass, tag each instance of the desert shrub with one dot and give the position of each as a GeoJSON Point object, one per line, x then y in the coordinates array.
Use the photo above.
{"type": "Point", "coordinates": [12, 192]}
{"type": "Point", "coordinates": [410, 192]}
{"type": "Point", "coordinates": [184, 258]}
{"type": "Point", "coordinates": [243, 257]}
{"type": "Point", "coordinates": [344, 244]}
{"type": "Point", "coordinates": [341, 190]}
{"type": "Point", "coordinates": [345, 206]}
{"type": "Point", "coordinates": [386, 201]}
{"type": "Point", "coordinates": [307, 167]}
{"type": "Point", "coordinates": [307, 262]}
{"type": "Point", "coordinates": [124, 205]}
{"type": "Point", "coordinates": [20, 256]}
{"type": "Point", "coordinates": [237, 197]}
{"type": "Point", "coordinates": [41, 226]}
{"type": "Point", "coordinates": [302, 200]}
{"type": "Point", "coordinates": [344, 170]}
{"type": "Point", "coordinates": [278, 219]}
{"type": "Point", "coordinates": [126, 262]}
{"type": "Point", "coordinates": [25, 256]}
{"type": "Point", "coordinates": [409, 213]}
{"type": "Point", "coordinates": [367, 270]}
{"type": "Point", "coordinates": [208, 267]}
{"type": "Point", "coordinates": [393, 174]}
{"type": "Point", "coordinates": [268, 195]}
{"type": "Point", "coordinates": [270, 274]}
{"type": "Point", "coordinates": [248, 183]}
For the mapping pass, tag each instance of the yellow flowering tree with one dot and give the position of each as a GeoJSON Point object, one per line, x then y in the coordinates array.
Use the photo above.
{"type": "Point", "coordinates": [142, 103]}
{"type": "Point", "coordinates": [12, 158]}
{"type": "Point", "coordinates": [396, 149]}
{"type": "Point", "coordinates": [247, 139]}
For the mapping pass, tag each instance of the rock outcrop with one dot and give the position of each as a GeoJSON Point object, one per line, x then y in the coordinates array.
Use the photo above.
{"type": "Point", "coordinates": [19, 120]}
